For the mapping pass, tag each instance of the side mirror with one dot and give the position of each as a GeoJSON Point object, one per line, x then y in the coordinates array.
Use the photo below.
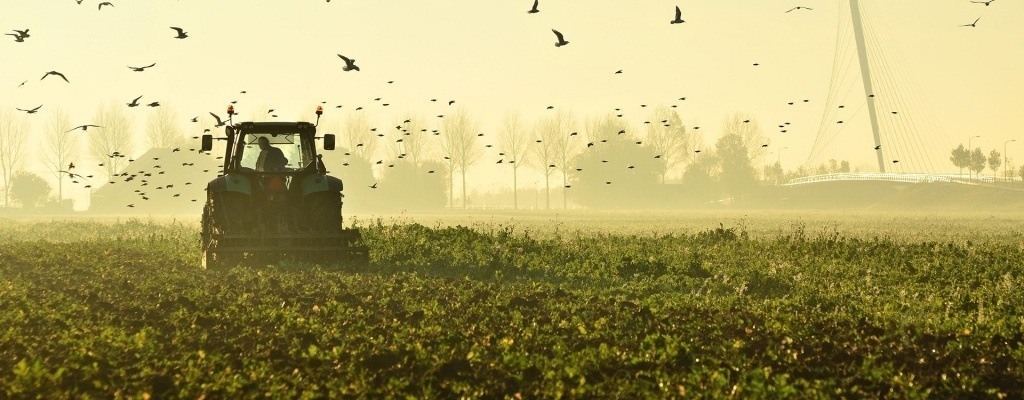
{"type": "Point", "coordinates": [329, 141]}
{"type": "Point", "coordinates": [207, 142]}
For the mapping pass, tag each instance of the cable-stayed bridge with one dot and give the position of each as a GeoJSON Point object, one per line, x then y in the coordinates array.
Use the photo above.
{"type": "Point", "coordinates": [870, 80]}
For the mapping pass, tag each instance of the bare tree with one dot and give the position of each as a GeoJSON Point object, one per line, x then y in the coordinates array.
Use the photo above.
{"type": "Point", "coordinates": [163, 129]}
{"type": "Point", "coordinates": [408, 141]}
{"type": "Point", "coordinates": [459, 147]}
{"type": "Point", "coordinates": [13, 144]}
{"type": "Point", "coordinates": [513, 144]}
{"type": "Point", "coordinates": [544, 152]}
{"type": "Point", "coordinates": [567, 145]}
{"type": "Point", "coordinates": [60, 147]}
{"type": "Point", "coordinates": [358, 138]}
{"type": "Point", "coordinates": [748, 129]}
{"type": "Point", "coordinates": [667, 137]}
{"type": "Point", "coordinates": [111, 145]}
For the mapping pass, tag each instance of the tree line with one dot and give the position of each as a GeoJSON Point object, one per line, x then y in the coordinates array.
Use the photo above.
{"type": "Point", "coordinates": [421, 163]}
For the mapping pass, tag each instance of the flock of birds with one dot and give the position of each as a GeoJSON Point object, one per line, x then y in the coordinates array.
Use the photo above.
{"type": "Point", "coordinates": [20, 36]}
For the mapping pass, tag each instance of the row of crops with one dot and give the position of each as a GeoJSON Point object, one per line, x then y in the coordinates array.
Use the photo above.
{"type": "Point", "coordinates": [102, 309]}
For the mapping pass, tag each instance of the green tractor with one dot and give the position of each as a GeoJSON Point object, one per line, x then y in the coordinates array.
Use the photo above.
{"type": "Point", "coordinates": [274, 199]}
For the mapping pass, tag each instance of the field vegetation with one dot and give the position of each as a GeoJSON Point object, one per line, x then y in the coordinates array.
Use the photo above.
{"type": "Point", "coordinates": [726, 306]}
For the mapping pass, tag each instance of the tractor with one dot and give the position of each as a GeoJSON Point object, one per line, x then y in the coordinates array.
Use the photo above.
{"type": "Point", "coordinates": [267, 207]}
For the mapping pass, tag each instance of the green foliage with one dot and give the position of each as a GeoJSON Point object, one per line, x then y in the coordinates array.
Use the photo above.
{"type": "Point", "coordinates": [960, 157]}
{"type": "Point", "coordinates": [995, 160]}
{"type": "Point", "coordinates": [737, 174]}
{"type": "Point", "coordinates": [29, 189]}
{"type": "Point", "coordinates": [977, 161]}
{"type": "Point", "coordinates": [99, 310]}
{"type": "Point", "coordinates": [617, 173]}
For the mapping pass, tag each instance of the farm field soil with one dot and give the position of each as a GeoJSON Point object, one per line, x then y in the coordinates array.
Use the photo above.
{"type": "Point", "coordinates": [827, 306]}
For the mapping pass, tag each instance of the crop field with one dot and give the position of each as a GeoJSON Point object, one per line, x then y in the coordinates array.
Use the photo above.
{"type": "Point", "coordinates": [736, 305]}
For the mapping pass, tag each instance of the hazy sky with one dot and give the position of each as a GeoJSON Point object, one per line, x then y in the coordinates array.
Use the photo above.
{"type": "Point", "coordinates": [492, 57]}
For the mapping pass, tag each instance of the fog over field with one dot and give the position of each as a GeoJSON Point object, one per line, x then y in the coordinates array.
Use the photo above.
{"type": "Point", "coordinates": [530, 198]}
{"type": "Point", "coordinates": [785, 80]}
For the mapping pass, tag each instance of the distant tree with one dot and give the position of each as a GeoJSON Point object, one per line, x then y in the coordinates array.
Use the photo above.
{"type": "Point", "coordinates": [800, 172]}
{"type": "Point", "coordinates": [60, 145]}
{"type": "Point", "coordinates": [513, 143]}
{"type": "Point", "coordinates": [995, 160]}
{"type": "Point", "coordinates": [747, 129]}
{"type": "Point", "coordinates": [1009, 169]}
{"type": "Point", "coordinates": [737, 175]}
{"type": "Point", "coordinates": [163, 129]}
{"type": "Point", "coordinates": [459, 145]}
{"type": "Point", "coordinates": [29, 189]}
{"type": "Point", "coordinates": [111, 145]}
{"type": "Point", "coordinates": [544, 153]}
{"type": "Point", "coordinates": [844, 166]}
{"type": "Point", "coordinates": [961, 158]}
{"type": "Point", "coordinates": [614, 171]}
{"type": "Point", "coordinates": [978, 160]}
{"type": "Point", "coordinates": [822, 169]}
{"type": "Point", "coordinates": [408, 141]}
{"type": "Point", "coordinates": [700, 177]}
{"type": "Point", "coordinates": [13, 141]}
{"type": "Point", "coordinates": [668, 138]}
{"type": "Point", "coordinates": [358, 138]}
{"type": "Point", "coordinates": [566, 146]}
{"type": "Point", "coordinates": [773, 173]}
{"type": "Point", "coordinates": [1020, 172]}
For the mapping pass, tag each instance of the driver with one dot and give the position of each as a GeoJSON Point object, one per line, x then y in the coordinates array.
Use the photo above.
{"type": "Point", "coordinates": [271, 158]}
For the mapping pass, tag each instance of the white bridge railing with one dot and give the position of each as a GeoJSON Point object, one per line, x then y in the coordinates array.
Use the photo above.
{"type": "Point", "coordinates": [890, 177]}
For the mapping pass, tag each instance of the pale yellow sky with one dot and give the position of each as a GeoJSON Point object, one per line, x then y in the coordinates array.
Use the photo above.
{"type": "Point", "coordinates": [491, 57]}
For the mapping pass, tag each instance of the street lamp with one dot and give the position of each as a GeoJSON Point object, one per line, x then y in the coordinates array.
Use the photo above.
{"type": "Point", "coordinates": [970, 174]}
{"type": "Point", "coordinates": [1004, 156]}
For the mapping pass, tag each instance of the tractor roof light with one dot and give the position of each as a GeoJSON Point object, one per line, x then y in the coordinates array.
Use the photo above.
{"type": "Point", "coordinates": [231, 110]}
{"type": "Point", "coordinates": [319, 111]}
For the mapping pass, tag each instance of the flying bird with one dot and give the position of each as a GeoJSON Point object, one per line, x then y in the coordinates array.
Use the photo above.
{"type": "Point", "coordinates": [986, 3]}
{"type": "Point", "coordinates": [154, 104]}
{"type": "Point", "coordinates": [350, 64]}
{"type": "Point", "coordinates": [140, 69]}
{"type": "Point", "coordinates": [679, 17]}
{"type": "Point", "coordinates": [16, 37]}
{"type": "Point", "coordinates": [561, 39]}
{"type": "Point", "coordinates": [105, 3]}
{"type": "Point", "coordinates": [220, 122]}
{"type": "Point", "coordinates": [534, 10]}
{"type": "Point", "coordinates": [55, 73]}
{"type": "Point", "coordinates": [32, 111]}
{"type": "Point", "coordinates": [83, 128]}
{"type": "Point", "coordinates": [181, 33]}
{"type": "Point", "coordinates": [973, 24]}
{"type": "Point", "coordinates": [800, 8]}
{"type": "Point", "coordinates": [135, 103]}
